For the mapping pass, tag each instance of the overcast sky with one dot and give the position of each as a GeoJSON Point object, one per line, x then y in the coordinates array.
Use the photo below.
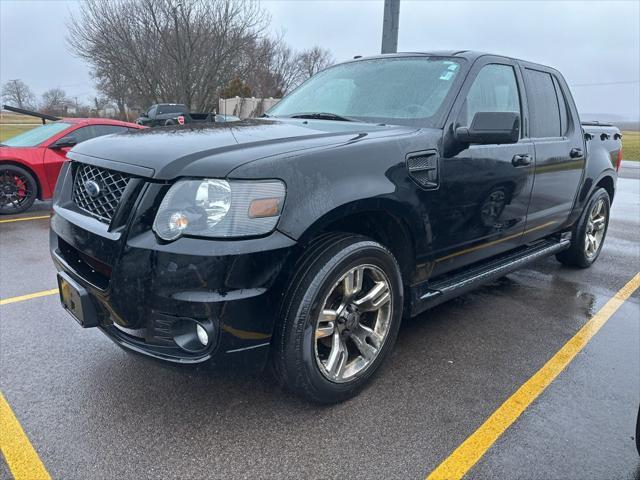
{"type": "Point", "coordinates": [595, 44]}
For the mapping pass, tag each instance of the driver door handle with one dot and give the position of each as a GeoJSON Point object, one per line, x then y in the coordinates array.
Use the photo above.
{"type": "Point", "coordinates": [521, 160]}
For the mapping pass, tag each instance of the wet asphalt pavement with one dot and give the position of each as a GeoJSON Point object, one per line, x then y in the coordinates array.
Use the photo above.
{"type": "Point", "coordinates": [93, 411]}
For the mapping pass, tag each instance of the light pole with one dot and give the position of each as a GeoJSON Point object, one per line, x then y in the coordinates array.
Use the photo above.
{"type": "Point", "coordinates": [179, 53]}
{"type": "Point", "coordinates": [390, 26]}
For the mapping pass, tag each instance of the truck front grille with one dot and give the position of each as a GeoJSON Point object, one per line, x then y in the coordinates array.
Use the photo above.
{"type": "Point", "coordinates": [98, 191]}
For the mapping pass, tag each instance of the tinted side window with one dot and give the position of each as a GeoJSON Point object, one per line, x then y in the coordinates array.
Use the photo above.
{"type": "Point", "coordinates": [171, 109]}
{"type": "Point", "coordinates": [99, 130]}
{"type": "Point", "coordinates": [562, 102]}
{"type": "Point", "coordinates": [91, 131]}
{"type": "Point", "coordinates": [543, 104]}
{"type": "Point", "coordinates": [152, 111]}
{"type": "Point", "coordinates": [495, 89]}
{"type": "Point", "coordinates": [83, 133]}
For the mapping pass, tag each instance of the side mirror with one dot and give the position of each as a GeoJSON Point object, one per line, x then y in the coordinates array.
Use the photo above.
{"type": "Point", "coordinates": [65, 142]}
{"type": "Point", "coordinates": [144, 115]}
{"type": "Point", "coordinates": [490, 128]}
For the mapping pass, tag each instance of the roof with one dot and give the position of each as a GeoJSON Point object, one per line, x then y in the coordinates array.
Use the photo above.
{"type": "Point", "coordinates": [470, 55]}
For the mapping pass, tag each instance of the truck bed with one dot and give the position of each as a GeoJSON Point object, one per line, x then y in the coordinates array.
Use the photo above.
{"type": "Point", "coordinates": [603, 138]}
{"type": "Point", "coordinates": [201, 117]}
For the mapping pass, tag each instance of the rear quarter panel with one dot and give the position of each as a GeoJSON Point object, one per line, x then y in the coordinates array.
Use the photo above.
{"type": "Point", "coordinates": [602, 145]}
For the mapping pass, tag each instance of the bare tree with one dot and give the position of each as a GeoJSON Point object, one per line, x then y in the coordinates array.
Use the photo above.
{"type": "Point", "coordinates": [55, 101]}
{"type": "Point", "coordinates": [188, 51]}
{"type": "Point", "coordinates": [313, 61]}
{"type": "Point", "coordinates": [276, 69]}
{"type": "Point", "coordinates": [149, 51]}
{"type": "Point", "coordinates": [285, 69]}
{"type": "Point", "coordinates": [18, 94]}
{"type": "Point", "coordinates": [115, 86]}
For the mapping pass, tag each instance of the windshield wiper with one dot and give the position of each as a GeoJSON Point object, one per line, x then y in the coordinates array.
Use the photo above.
{"type": "Point", "coordinates": [322, 116]}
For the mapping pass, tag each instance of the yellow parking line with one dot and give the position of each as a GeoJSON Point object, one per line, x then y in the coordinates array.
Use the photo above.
{"type": "Point", "coordinates": [29, 296]}
{"type": "Point", "coordinates": [24, 219]}
{"type": "Point", "coordinates": [473, 448]}
{"type": "Point", "coordinates": [21, 458]}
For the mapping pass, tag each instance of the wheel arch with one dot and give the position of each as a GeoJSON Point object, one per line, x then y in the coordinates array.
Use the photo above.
{"type": "Point", "coordinates": [383, 221]}
{"type": "Point", "coordinates": [607, 182]}
{"type": "Point", "coordinates": [26, 167]}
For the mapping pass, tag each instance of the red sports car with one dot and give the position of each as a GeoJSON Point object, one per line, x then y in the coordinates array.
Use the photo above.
{"type": "Point", "coordinates": [30, 162]}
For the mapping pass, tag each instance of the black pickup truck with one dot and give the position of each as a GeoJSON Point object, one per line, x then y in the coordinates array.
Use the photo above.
{"type": "Point", "coordinates": [166, 114]}
{"type": "Point", "coordinates": [379, 188]}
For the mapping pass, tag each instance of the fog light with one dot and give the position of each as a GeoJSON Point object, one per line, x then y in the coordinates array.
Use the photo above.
{"type": "Point", "coordinates": [203, 336]}
{"type": "Point", "coordinates": [193, 336]}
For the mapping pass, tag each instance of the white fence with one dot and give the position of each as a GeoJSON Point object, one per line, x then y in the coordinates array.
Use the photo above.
{"type": "Point", "coordinates": [245, 107]}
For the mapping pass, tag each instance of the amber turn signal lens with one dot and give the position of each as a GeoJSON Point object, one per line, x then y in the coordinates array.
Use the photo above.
{"type": "Point", "coordinates": [178, 221]}
{"type": "Point", "coordinates": [265, 207]}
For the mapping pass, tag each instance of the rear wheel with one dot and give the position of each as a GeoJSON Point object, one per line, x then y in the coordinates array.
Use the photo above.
{"type": "Point", "coordinates": [590, 232]}
{"type": "Point", "coordinates": [340, 318]}
{"type": "Point", "coordinates": [18, 189]}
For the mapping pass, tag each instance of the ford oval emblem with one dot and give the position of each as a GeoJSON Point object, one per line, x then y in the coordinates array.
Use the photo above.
{"type": "Point", "coordinates": [92, 188]}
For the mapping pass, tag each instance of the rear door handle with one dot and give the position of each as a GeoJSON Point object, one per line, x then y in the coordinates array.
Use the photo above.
{"type": "Point", "coordinates": [575, 153]}
{"type": "Point", "coordinates": [521, 160]}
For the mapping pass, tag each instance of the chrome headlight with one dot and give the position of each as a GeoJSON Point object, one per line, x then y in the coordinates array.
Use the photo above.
{"type": "Point", "coordinates": [219, 208]}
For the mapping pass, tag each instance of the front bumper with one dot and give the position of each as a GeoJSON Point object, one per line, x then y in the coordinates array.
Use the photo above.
{"type": "Point", "coordinates": [141, 289]}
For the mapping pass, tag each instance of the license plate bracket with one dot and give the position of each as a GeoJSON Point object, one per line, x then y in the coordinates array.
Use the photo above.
{"type": "Point", "coordinates": [76, 300]}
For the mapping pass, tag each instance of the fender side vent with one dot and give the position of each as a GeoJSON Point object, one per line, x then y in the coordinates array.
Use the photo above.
{"type": "Point", "coordinates": [423, 168]}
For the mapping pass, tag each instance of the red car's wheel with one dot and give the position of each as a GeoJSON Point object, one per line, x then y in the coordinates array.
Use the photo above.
{"type": "Point", "coordinates": [18, 189]}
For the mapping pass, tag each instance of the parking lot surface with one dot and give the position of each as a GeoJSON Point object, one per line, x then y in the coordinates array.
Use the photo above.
{"type": "Point", "coordinates": [90, 410]}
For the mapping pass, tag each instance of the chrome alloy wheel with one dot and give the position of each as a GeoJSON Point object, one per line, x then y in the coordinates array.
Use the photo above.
{"type": "Point", "coordinates": [353, 323]}
{"type": "Point", "coordinates": [594, 232]}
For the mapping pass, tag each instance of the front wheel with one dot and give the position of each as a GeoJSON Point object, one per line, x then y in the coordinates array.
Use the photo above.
{"type": "Point", "coordinates": [18, 189]}
{"type": "Point", "coordinates": [340, 318]}
{"type": "Point", "coordinates": [589, 233]}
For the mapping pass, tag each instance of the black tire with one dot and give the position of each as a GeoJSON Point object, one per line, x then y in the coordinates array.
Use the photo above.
{"type": "Point", "coordinates": [18, 189]}
{"type": "Point", "coordinates": [169, 123]}
{"type": "Point", "coordinates": [576, 255]}
{"type": "Point", "coordinates": [294, 359]}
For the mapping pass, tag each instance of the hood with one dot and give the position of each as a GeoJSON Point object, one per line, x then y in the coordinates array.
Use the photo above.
{"type": "Point", "coordinates": [216, 149]}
